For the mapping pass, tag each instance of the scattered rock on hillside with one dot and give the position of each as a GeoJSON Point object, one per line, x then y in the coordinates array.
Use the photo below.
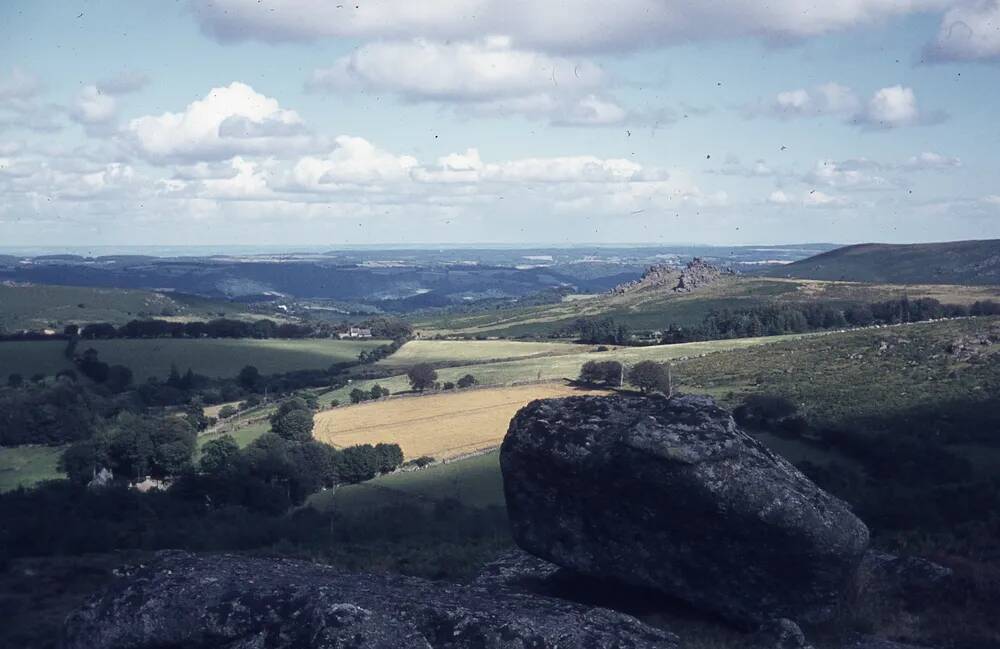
{"type": "Point", "coordinates": [698, 273]}
{"type": "Point", "coordinates": [672, 495]}
{"type": "Point", "coordinates": [202, 601]}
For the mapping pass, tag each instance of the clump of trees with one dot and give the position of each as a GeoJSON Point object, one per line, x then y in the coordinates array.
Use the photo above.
{"type": "Point", "coordinates": [422, 376]}
{"type": "Point", "coordinates": [598, 331]}
{"type": "Point", "coordinates": [650, 376]}
{"type": "Point", "coordinates": [467, 381]}
{"type": "Point", "coordinates": [606, 373]}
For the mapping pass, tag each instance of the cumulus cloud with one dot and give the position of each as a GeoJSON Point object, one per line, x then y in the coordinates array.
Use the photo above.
{"type": "Point", "coordinates": [888, 108]}
{"type": "Point", "coordinates": [891, 107]}
{"type": "Point", "coordinates": [816, 198]}
{"type": "Point", "coordinates": [992, 199]}
{"type": "Point", "coordinates": [574, 25]}
{"type": "Point", "coordinates": [228, 121]}
{"type": "Point", "coordinates": [487, 76]}
{"type": "Point", "coordinates": [931, 160]}
{"type": "Point", "coordinates": [354, 161]}
{"type": "Point", "coordinates": [826, 99]}
{"type": "Point", "coordinates": [969, 31]}
{"type": "Point", "coordinates": [95, 111]}
{"type": "Point", "coordinates": [21, 106]}
{"type": "Point", "coordinates": [779, 197]}
{"type": "Point", "coordinates": [850, 174]}
{"type": "Point", "coordinates": [18, 85]}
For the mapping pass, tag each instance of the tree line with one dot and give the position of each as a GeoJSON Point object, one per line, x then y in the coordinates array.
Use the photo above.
{"type": "Point", "coordinates": [777, 319]}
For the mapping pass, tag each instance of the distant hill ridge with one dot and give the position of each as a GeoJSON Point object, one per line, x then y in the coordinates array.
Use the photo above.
{"type": "Point", "coordinates": [952, 262]}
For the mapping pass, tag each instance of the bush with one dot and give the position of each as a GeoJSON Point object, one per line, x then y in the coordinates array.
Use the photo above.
{"type": "Point", "coordinates": [227, 411]}
{"type": "Point", "coordinates": [467, 381]}
{"type": "Point", "coordinates": [448, 385]}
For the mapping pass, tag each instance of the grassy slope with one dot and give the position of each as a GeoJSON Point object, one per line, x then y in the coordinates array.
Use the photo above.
{"type": "Point", "coordinates": [40, 306]}
{"type": "Point", "coordinates": [211, 357]}
{"type": "Point", "coordinates": [27, 465]}
{"type": "Point", "coordinates": [954, 262]}
{"type": "Point", "coordinates": [475, 482]}
{"type": "Point", "coordinates": [472, 351]}
{"type": "Point", "coordinates": [657, 308]}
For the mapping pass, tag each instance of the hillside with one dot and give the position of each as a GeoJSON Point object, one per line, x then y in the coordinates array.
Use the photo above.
{"type": "Point", "coordinates": [953, 262]}
{"type": "Point", "coordinates": [36, 307]}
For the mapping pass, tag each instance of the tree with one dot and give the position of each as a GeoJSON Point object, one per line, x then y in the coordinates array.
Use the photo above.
{"type": "Point", "coordinates": [226, 412]}
{"type": "Point", "coordinates": [174, 442]}
{"type": "Point", "coordinates": [356, 463]}
{"type": "Point", "coordinates": [650, 376]}
{"type": "Point", "coordinates": [422, 376]}
{"type": "Point", "coordinates": [219, 456]}
{"type": "Point", "coordinates": [358, 395]}
{"type": "Point", "coordinates": [601, 372]}
{"type": "Point", "coordinates": [467, 381]}
{"type": "Point", "coordinates": [82, 460]}
{"type": "Point", "coordinates": [448, 385]}
{"type": "Point", "coordinates": [249, 377]}
{"type": "Point", "coordinates": [378, 391]}
{"type": "Point", "coordinates": [295, 425]}
{"type": "Point", "coordinates": [119, 378]}
{"type": "Point", "coordinates": [388, 457]}
{"type": "Point", "coordinates": [15, 380]}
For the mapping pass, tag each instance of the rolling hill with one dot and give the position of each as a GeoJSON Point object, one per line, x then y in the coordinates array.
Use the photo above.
{"type": "Point", "coordinates": [953, 262]}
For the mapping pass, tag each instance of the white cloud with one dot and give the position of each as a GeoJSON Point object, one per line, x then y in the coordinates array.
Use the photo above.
{"type": "Point", "coordinates": [572, 25]}
{"type": "Point", "coordinates": [892, 107]}
{"type": "Point", "coordinates": [889, 107]}
{"type": "Point", "coordinates": [992, 199]}
{"type": "Point", "coordinates": [816, 198]}
{"type": "Point", "coordinates": [228, 121]}
{"type": "Point", "coordinates": [969, 31]}
{"type": "Point", "coordinates": [778, 197]}
{"type": "Point", "coordinates": [931, 160]}
{"type": "Point", "coordinates": [95, 110]}
{"type": "Point", "coordinates": [851, 174]}
{"type": "Point", "coordinates": [19, 84]}
{"type": "Point", "coordinates": [827, 99]}
{"type": "Point", "coordinates": [487, 76]}
{"type": "Point", "coordinates": [354, 161]}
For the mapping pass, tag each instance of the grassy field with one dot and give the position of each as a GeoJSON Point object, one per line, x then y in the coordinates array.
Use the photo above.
{"type": "Point", "coordinates": [219, 357]}
{"type": "Point", "coordinates": [473, 481]}
{"type": "Point", "coordinates": [39, 306]}
{"type": "Point", "coordinates": [457, 352]}
{"type": "Point", "coordinates": [657, 308]}
{"type": "Point", "coordinates": [27, 465]}
{"type": "Point", "coordinates": [442, 425]}
{"type": "Point", "coordinates": [870, 374]}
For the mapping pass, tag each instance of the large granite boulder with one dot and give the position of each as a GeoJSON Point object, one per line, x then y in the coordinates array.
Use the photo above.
{"type": "Point", "coordinates": [234, 602]}
{"type": "Point", "coordinates": [669, 494]}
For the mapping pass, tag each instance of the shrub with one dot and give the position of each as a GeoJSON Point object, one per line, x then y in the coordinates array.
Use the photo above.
{"type": "Point", "coordinates": [467, 381]}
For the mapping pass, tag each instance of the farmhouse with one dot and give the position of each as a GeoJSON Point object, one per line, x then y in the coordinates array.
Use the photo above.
{"type": "Point", "coordinates": [355, 332]}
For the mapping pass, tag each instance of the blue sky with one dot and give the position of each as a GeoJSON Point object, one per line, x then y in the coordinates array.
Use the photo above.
{"type": "Point", "coordinates": [313, 122]}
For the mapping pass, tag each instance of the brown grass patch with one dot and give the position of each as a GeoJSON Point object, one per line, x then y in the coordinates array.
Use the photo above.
{"type": "Point", "coordinates": [442, 425]}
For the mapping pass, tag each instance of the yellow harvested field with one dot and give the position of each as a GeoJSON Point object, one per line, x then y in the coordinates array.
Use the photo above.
{"type": "Point", "coordinates": [441, 425]}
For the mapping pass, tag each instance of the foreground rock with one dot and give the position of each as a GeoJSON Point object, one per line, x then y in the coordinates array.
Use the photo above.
{"type": "Point", "coordinates": [202, 601]}
{"type": "Point", "coordinates": [671, 495]}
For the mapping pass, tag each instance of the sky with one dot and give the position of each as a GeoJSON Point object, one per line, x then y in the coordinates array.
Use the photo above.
{"type": "Point", "coordinates": [324, 123]}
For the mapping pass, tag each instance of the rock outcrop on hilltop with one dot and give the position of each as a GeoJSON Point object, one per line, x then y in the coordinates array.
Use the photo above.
{"type": "Point", "coordinates": [212, 601]}
{"type": "Point", "coordinates": [697, 274]}
{"type": "Point", "coordinates": [670, 494]}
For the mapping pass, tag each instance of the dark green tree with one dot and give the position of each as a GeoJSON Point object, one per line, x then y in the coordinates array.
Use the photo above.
{"type": "Point", "coordinates": [219, 456]}
{"type": "Point", "coordinates": [295, 425]}
{"type": "Point", "coordinates": [422, 376]}
{"type": "Point", "coordinates": [650, 376]}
